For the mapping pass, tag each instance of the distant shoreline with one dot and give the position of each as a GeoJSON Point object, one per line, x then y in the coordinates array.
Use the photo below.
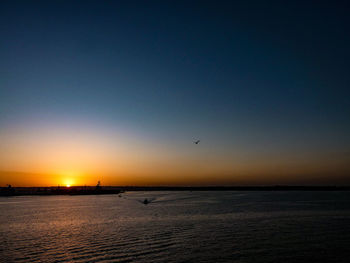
{"type": "Point", "coordinates": [90, 190]}
{"type": "Point", "coordinates": [235, 188]}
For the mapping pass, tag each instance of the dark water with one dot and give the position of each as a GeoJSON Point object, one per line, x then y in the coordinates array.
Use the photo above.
{"type": "Point", "coordinates": [177, 227]}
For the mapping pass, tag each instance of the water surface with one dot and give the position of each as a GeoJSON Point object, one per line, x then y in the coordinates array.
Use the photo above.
{"type": "Point", "coordinates": [232, 226]}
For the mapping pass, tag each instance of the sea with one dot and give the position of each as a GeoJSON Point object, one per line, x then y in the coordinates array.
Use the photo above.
{"type": "Point", "coordinates": [184, 226]}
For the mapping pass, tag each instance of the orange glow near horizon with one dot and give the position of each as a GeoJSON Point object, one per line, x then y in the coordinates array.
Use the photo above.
{"type": "Point", "coordinates": [51, 156]}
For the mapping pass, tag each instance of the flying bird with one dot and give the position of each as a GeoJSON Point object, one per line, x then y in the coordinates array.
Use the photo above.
{"type": "Point", "coordinates": [196, 142]}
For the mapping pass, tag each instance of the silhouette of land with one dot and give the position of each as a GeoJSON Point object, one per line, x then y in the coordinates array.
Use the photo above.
{"type": "Point", "coordinates": [99, 190]}
{"type": "Point", "coordinates": [60, 190]}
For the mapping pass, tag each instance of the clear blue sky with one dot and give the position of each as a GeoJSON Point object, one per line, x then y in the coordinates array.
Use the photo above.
{"type": "Point", "coordinates": [262, 82]}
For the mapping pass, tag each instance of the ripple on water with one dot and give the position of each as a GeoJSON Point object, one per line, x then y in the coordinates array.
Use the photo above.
{"type": "Point", "coordinates": [176, 227]}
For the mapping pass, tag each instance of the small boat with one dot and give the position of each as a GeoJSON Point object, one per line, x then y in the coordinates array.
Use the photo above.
{"type": "Point", "coordinates": [145, 202]}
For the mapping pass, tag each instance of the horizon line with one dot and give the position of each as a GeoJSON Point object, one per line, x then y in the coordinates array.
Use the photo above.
{"type": "Point", "coordinates": [187, 186]}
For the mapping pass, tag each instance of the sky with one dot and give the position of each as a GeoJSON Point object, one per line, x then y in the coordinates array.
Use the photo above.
{"type": "Point", "coordinates": [117, 91]}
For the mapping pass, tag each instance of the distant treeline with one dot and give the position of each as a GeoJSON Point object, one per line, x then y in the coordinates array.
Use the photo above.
{"type": "Point", "coordinates": [97, 190]}
{"type": "Point", "coordinates": [59, 190]}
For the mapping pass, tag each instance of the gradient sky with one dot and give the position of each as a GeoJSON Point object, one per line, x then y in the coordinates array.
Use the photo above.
{"type": "Point", "coordinates": [118, 91]}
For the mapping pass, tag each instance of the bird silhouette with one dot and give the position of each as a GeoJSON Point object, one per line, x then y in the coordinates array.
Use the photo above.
{"type": "Point", "coordinates": [196, 142]}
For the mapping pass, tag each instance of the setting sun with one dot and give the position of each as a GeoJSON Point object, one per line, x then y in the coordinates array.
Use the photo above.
{"type": "Point", "coordinates": [68, 182]}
